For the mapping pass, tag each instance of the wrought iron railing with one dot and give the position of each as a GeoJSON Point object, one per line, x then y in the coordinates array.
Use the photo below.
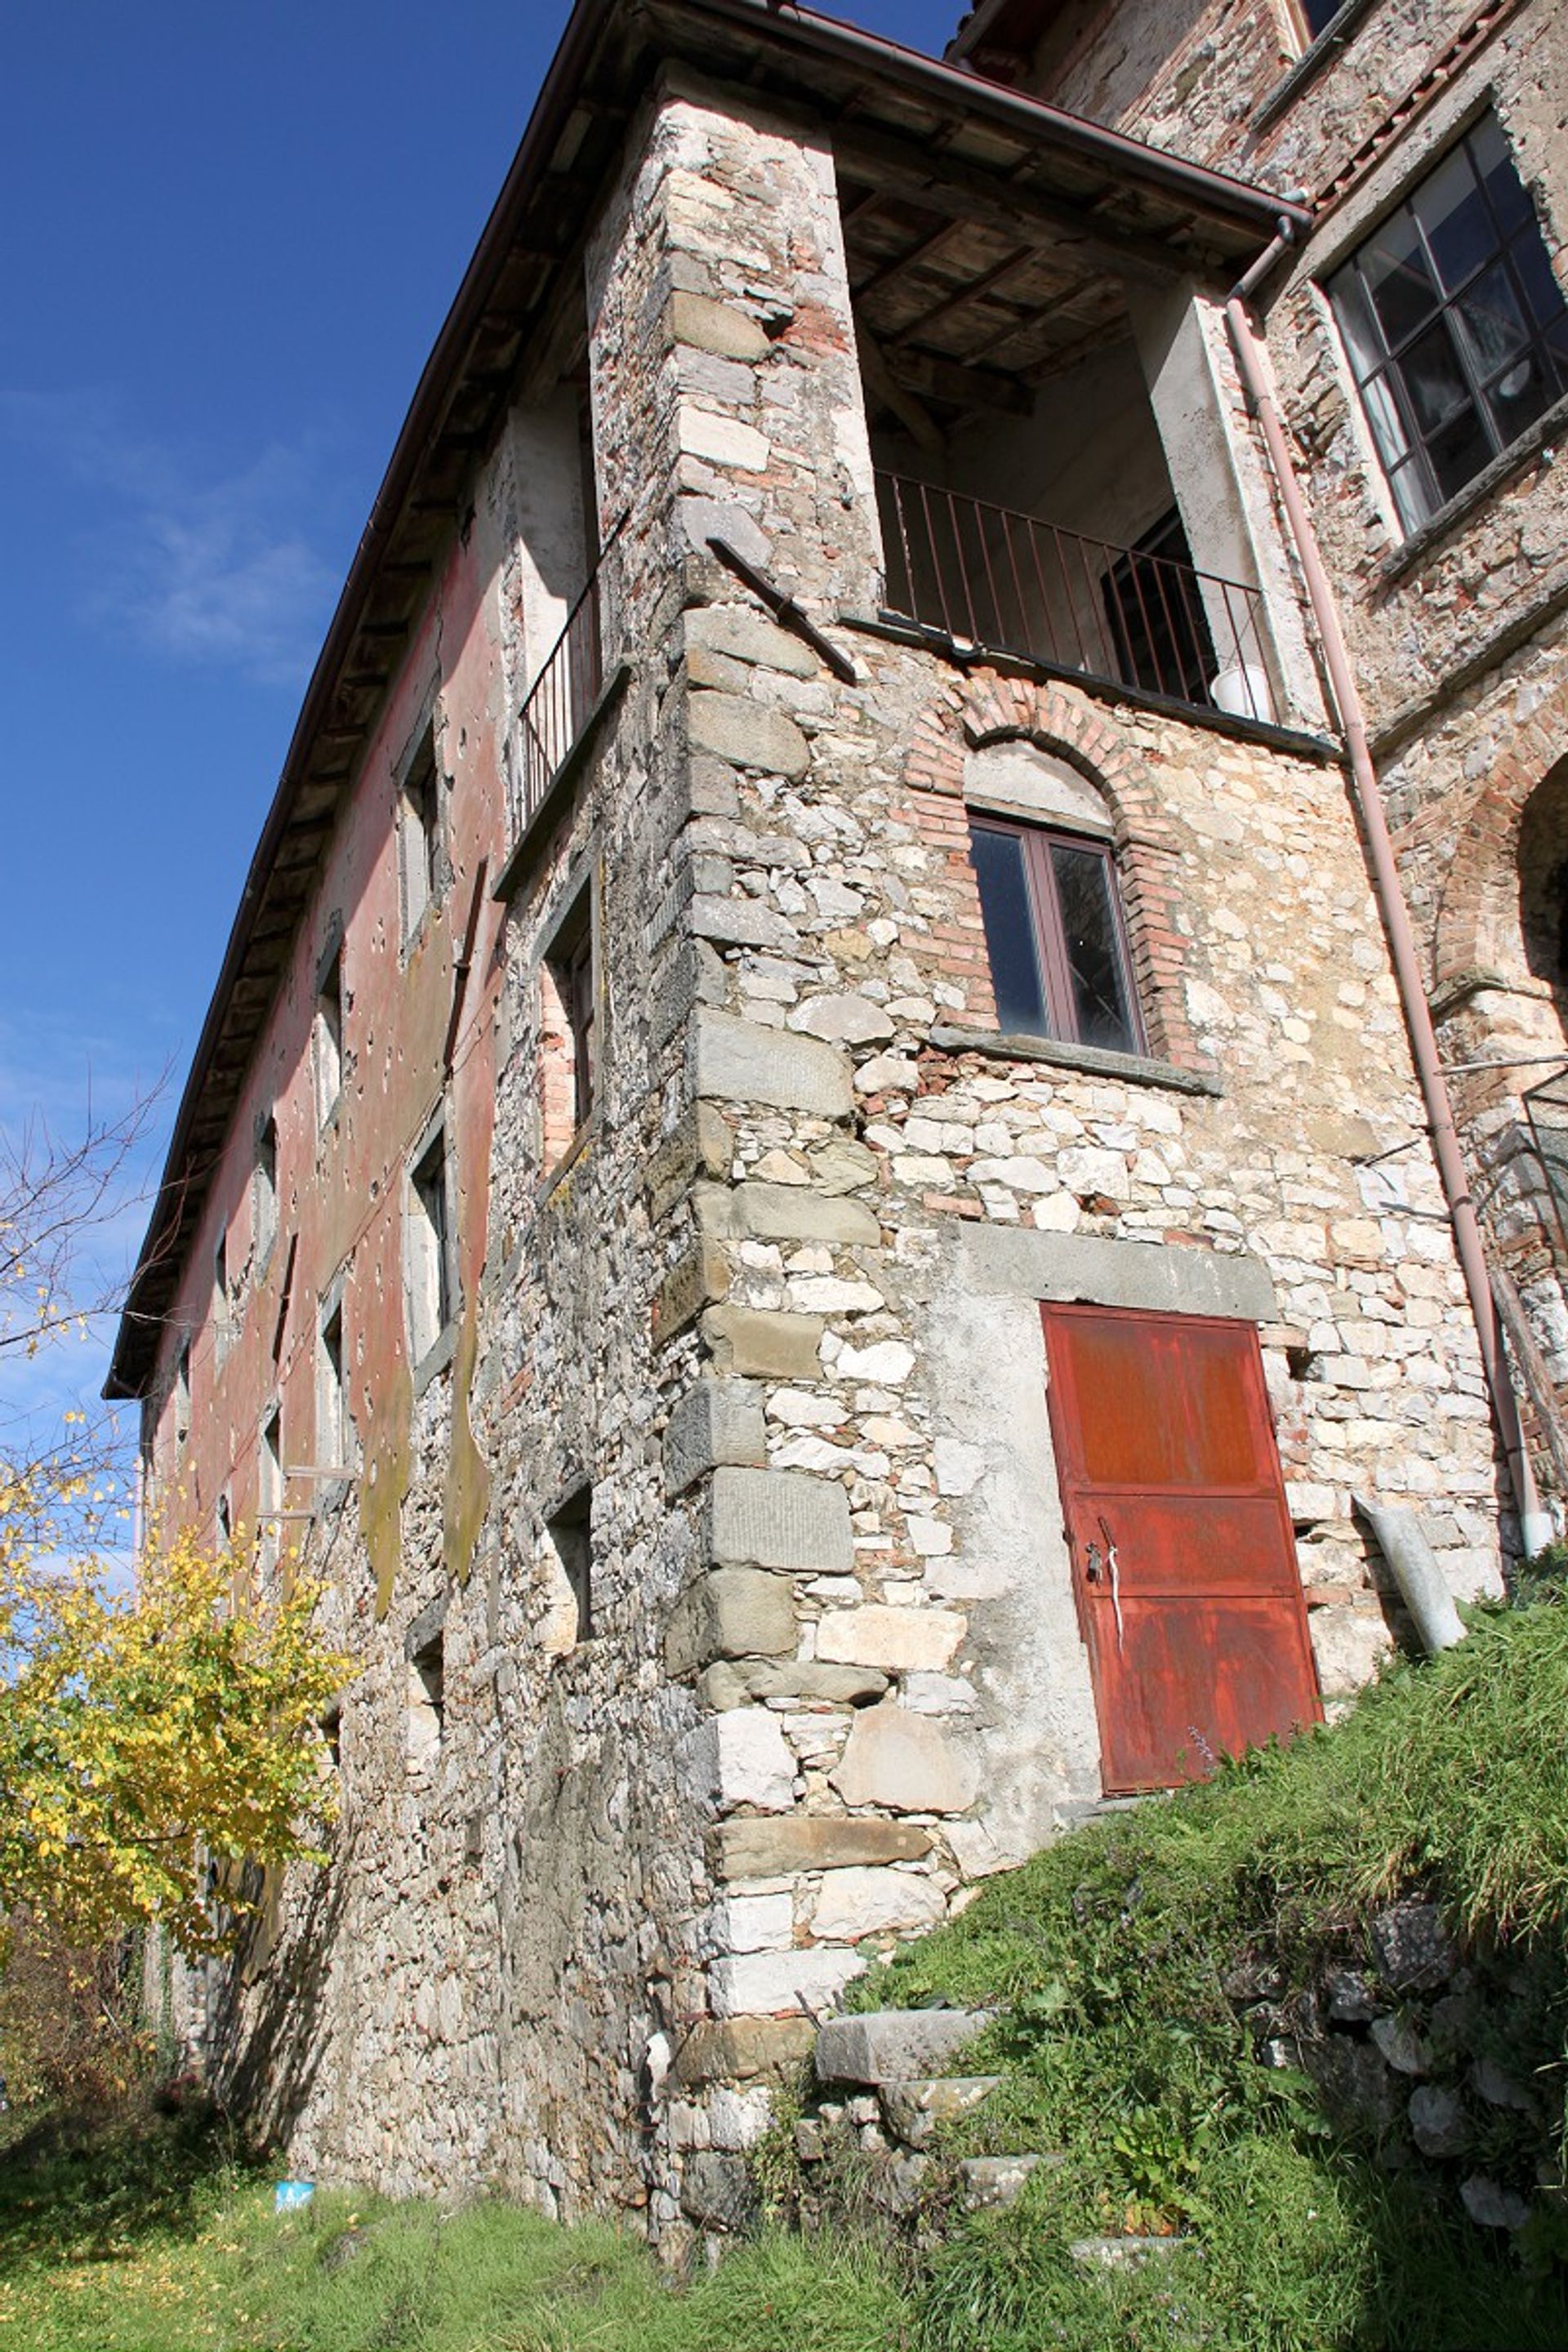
{"type": "Point", "coordinates": [562, 700]}
{"type": "Point", "coordinates": [1133, 616]}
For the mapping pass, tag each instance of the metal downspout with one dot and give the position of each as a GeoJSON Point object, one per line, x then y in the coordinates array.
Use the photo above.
{"type": "Point", "coordinates": [1535, 1525]}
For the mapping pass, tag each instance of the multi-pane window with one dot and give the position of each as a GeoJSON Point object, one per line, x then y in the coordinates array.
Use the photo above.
{"type": "Point", "coordinates": [328, 1037]}
{"type": "Point", "coordinates": [1054, 934]}
{"type": "Point", "coordinates": [420, 835]}
{"type": "Point", "coordinates": [429, 1245]}
{"type": "Point", "coordinates": [1455, 323]}
{"type": "Point", "coordinates": [266, 1189]}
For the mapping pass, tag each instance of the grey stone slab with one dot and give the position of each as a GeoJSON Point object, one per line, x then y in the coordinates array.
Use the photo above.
{"type": "Point", "coordinates": [786, 1212]}
{"type": "Point", "coordinates": [717, 1422]}
{"type": "Point", "coordinates": [1009, 1260]}
{"type": "Point", "coordinates": [893, 2045]}
{"type": "Point", "coordinates": [740, 922]}
{"type": "Point", "coordinates": [782, 1519]}
{"type": "Point", "coordinates": [750, 734]}
{"type": "Point", "coordinates": [757, 1848]}
{"type": "Point", "coordinates": [761, 1339]}
{"type": "Point", "coordinates": [734, 1612]}
{"type": "Point", "coordinates": [731, 1060]}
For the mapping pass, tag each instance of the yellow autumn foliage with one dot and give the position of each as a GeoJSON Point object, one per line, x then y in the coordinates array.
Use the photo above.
{"type": "Point", "coordinates": [150, 1741]}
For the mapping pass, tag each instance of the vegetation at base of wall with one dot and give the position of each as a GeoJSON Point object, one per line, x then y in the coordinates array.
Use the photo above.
{"type": "Point", "coordinates": [1118, 1969]}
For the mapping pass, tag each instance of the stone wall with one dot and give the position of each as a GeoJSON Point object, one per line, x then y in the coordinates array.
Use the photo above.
{"type": "Point", "coordinates": [776, 1305]}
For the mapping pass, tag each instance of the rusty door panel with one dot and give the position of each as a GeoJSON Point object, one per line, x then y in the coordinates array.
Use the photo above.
{"type": "Point", "coordinates": [1183, 1559]}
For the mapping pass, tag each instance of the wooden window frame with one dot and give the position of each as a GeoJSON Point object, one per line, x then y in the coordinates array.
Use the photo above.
{"type": "Point", "coordinates": [1048, 931]}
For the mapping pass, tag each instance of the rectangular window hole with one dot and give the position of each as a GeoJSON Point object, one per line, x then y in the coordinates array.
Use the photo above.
{"type": "Point", "coordinates": [328, 1039]}
{"type": "Point", "coordinates": [570, 1533]}
{"type": "Point", "coordinates": [426, 1699]}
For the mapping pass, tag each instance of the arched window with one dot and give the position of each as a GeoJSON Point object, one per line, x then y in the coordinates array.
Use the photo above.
{"type": "Point", "coordinates": [1055, 934]}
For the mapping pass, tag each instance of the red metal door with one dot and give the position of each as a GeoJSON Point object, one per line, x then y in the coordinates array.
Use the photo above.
{"type": "Point", "coordinates": [1183, 1562]}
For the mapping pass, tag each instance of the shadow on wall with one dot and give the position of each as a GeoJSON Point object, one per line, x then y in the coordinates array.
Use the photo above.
{"type": "Point", "coordinates": [271, 2037]}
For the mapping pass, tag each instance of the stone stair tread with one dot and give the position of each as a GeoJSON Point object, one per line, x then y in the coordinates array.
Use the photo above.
{"type": "Point", "coordinates": [885, 2046]}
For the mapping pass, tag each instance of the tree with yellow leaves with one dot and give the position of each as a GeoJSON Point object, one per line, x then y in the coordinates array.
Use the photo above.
{"type": "Point", "coordinates": [149, 1736]}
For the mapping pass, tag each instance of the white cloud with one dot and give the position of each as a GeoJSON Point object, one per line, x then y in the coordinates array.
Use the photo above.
{"type": "Point", "coordinates": [193, 562]}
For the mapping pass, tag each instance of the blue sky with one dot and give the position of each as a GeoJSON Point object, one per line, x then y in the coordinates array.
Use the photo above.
{"type": "Point", "coordinates": [233, 235]}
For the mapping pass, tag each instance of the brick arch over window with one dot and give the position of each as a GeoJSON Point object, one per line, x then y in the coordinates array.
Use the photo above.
{"type": "Point", "coordinates": [986, 709]}
{"type": "Point", "coordinates": [1480, 925]}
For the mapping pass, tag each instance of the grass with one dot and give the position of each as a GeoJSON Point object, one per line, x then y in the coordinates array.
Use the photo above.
{"type": "Point", "coordinates": [1107, 1964]}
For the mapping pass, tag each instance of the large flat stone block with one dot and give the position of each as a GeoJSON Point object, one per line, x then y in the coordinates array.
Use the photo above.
{"type": "Point", "coordinates": [737, 2049]}
{"type": "Point", "coordinates": [784, 1213]}
{"type": "Point", "coordinates": [731, 1060]}
{"type": "Point", "coordinates": [717, 1422]}
{"type": "Point", "coordinates": [904, 1762]}
{"type": "Point", "coordinates": [893, 2045]}
{"type": "Point", "coordinates": [902, 1641]}
{"type": "Point", "coordinates": [780, 1518]}
{"type": "Point", "coordinates": [778, 1849]}
{"type": "Point", "coordinates": [756, 1983]}
{"type": "Point", "coordinates": [1016, 1260]}
{"type": "Point", "coordinates": [735, 1612]}
{"type": "Point", "coordinates": [762, 1341]}
{"type": "Point", "coordinates": [749, 734]}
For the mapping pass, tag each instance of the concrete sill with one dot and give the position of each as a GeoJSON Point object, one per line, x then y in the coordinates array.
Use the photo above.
{"type": "Point", "coordinates": [1134, 1069]}
{"type": "Point", "coordinates": [1531, 444]}
{"type": "Point", "coordinates": [965, 657]}
{"type": "Point", "coordinates": [529, 846]}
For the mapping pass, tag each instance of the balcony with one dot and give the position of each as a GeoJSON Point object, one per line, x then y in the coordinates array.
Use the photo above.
{"type": "Point", "coordinates": [559, 717]}
{"type": "Point", "coordinates": [1141, 618]}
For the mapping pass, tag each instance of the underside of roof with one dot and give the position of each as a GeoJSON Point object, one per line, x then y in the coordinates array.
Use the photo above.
{"type": "Point", "coordinates": [988, 237]}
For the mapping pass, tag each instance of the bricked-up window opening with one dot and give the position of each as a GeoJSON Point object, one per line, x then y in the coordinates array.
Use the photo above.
{"type": "Point", "coordinates": [426, 1699]}
{"type": "Point", "coordinates": [420, 832]}
{"type": "Point", "coordinates": [1456, 325]}
{"type": "Point", "coordinates": [1154, 608]}
{"type": "Point", "coordinates": [571, 1532]}
{"type": "Point", "coordinates": [332, 1402]}
{"type": "Point", "coordinates": [328, 1038]}
{"type": "Point", "coordinates": [266, 1189]}
{"type": "Point", "coordinates": [270, 1489]}
{"type": "Point", "coordinates": [431, 1288]}
{"type": "Point", "coordinates": [1054, 934]}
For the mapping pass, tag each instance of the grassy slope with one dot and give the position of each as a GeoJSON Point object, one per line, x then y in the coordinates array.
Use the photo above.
{"type": "Point", "coordinates": [1103, 1959]}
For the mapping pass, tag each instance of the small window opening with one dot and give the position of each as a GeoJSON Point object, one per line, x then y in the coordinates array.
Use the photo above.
{"type": "Point", "coordinates": [329, 1724]}
{"type": "Point", "coordinates": [332, 1429]}
{"type": "Point", "coordinates": [1058, 958]}
{"type": "Point", "coordinates": [225, 1519]}
{"type": "Point", "coordinates": [571, 1039]}
{"type": "Point", "coordinates": [426, 1699]}
{"type": "Point", "coordinates": [183, 1394]}
{"type": "Point", "coordinates": [328, 1039]}
{"type": "Point", "coordinates": [269, 1487]}
{"type": "Point", "coordinates": [266, 1191]}
{"type": "Point", "coordinates": [571, 1532]}
{"type": "Point", "coordinates": [430, 1284]}
{"type": "Point", "coordinates": [221, 1298]}
{"type": "Point", "coordinates": [421, 834]}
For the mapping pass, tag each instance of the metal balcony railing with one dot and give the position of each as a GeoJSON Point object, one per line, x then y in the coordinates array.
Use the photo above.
{"type": "Point", "coordinates": [1131, 617]}
{"type": "Point", "coordinates": [560, 702]}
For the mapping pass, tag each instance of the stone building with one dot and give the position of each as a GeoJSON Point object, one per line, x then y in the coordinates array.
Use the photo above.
{"type": "Point", "coordinates": [806, 1184]}
{"type": "Point", "coordinates": [1418, 337]}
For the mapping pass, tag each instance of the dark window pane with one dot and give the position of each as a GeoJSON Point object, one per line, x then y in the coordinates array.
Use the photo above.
{"type": "Point", "coordinates": [1510, 199]}
{"type": "Point", "coordinates": [1542, 291]}
{"type": "Point", "coordinates": [1413, 495]}
{"type": "Point", "coordinates": [1459, 452]}
{"type": "Point", "coordinates": [1010, 931]}
{"type": "Point", "coordinates": [1490, 319]}
{"type": "Point", "coordinates": [1434, 378]}
{"type": "Point", "coordinates": [1358, 321]}
{"type": "Point", "coordinates": [1094, 948]}
{"type": "Point", "coordinates": [1398, 280]}
{"type": "Point", "coordinates": [1453, 212]}
{"type": "Point", "coordinates": [1320, 14]}
{"type": "Point", "coordinates": [1518, 396]}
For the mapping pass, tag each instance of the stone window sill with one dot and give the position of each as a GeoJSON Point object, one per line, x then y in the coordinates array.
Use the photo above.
{"type": "Point", "coordinates": [568, 1161]}
{"type": "Point", "coordinates": [1134, 1069]}
{"type": "Point", "coordinates": [1447, 518]}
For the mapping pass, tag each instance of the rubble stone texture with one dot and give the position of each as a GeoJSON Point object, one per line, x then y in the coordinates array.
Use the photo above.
{"type": "Point", "coordinates": [777, 1306]}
